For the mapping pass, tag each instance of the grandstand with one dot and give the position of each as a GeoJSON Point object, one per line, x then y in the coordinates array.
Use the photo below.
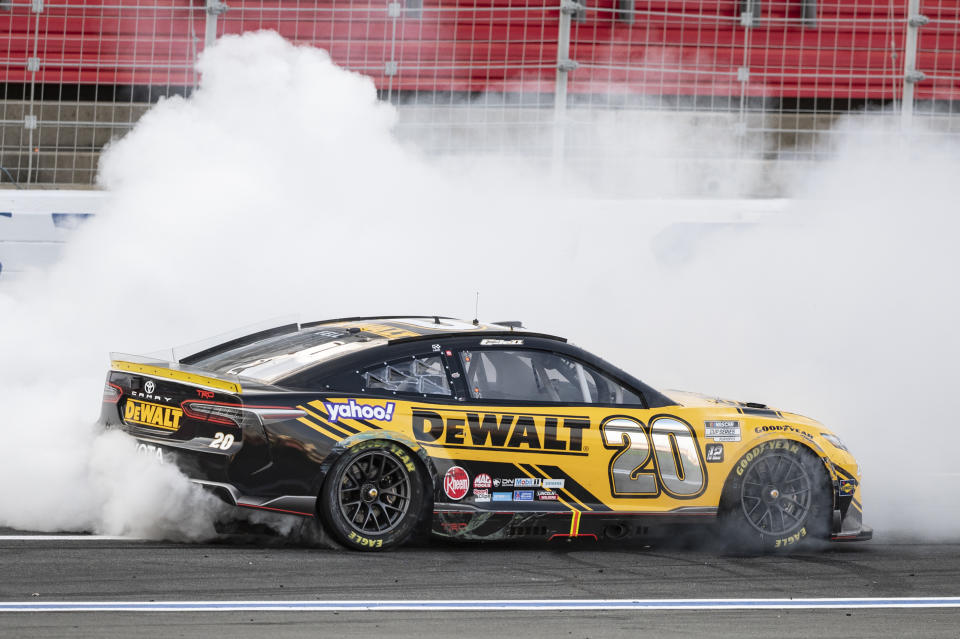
{"type": "Point", "coordinates": [776, 72]}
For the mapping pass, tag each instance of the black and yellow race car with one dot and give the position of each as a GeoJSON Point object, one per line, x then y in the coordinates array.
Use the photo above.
{"type": "Point", "coordinates": [380, 427]}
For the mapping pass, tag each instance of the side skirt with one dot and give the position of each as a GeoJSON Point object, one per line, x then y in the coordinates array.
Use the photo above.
{"type": "Point", "coordinates": [486, 525]}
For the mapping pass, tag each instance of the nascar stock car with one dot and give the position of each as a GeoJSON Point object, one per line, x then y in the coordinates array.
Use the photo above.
{"type": "Point", "coordinates": [383, 427]}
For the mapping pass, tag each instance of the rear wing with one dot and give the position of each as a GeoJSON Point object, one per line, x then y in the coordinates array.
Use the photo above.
{"type": "Point", "coordinates": [150, 367]}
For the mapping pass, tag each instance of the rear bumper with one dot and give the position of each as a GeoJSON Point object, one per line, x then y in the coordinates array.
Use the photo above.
{"type": "Point", "coordinates": [302, 505]}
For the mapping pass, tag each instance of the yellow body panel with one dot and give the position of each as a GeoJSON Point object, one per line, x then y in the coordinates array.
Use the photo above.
{"type": "Point", "coordinates": [601, 448]}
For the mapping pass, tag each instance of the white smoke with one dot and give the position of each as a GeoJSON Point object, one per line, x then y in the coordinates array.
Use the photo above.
{"type": "Point", "coordinates": [279, 187]}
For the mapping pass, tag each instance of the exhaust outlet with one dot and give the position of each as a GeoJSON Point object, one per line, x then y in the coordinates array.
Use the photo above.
{"type": "Point", "coordinates": [616, 531]}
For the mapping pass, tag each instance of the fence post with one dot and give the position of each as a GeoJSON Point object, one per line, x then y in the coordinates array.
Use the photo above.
{"type": "Point", "coordinates": [564, 66]}
{"type": "Point", "coordinates": [214, 9]}
{"type": "Point", "coordinates": [911, 75]}
{"type": "Point", "coordinates": [30, 119]}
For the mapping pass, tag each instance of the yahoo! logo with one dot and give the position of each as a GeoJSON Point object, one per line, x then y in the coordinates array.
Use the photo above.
{"type": "Point", "coordinates": [352, 410]}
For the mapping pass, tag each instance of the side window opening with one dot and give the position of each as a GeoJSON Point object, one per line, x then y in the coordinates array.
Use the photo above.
{"type": "Point", "coordinates": [419, 375]}
{"type": "Point", "coordinates": [539, 376]}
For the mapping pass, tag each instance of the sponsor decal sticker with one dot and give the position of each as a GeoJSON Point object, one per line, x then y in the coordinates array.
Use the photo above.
{"type": "Point", "coordinates": [526, 482]}
{"type": "Point", "coordinates": [546, 495]}
{"type": "Point", "coordinates": [154, 415]}
{"type": "Point", "coordinates": [722, 431]}
{"type": "Point", "coordinates": [557, 435]}
{"type": "Point", "coordinates": [501, 342]}
{"type": "Point", "coordinates": [552, 483]}
{"type": "Point", "coordinates": [714, 453]}
{"type": "Point", "coordinates": [481, 494]}
{"type": "Point", "coordinates": [482, 481]}
{"type": "Point", "coordinates": [149, 387]}
{"type": "Point", "coordinates": [502, 496]}
{"type": "Point", "coordinates": [351, 409]}
{"type": "Point", "coordinates": [847, 486]}
{"type": "Point", "coordinates": [506, 483]}
{"type": "Point", "coordinates": [782, 428]}
{"type": "Point", "coordinates": [523, 495]}
{"type": "Point", "coordinates": [456, 483]}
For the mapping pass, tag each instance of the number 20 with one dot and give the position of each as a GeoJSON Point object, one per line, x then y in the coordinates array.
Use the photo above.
{"type": "Point", "coordinates": [676, 464]}
{"type": "Point", "coordinates": [221, 441]}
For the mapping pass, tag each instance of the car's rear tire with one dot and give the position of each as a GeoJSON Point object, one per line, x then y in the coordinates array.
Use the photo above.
{"type": "Point", "coordinates": [778, 497]}
{"type": "Point", "coordinates": [373, 497]}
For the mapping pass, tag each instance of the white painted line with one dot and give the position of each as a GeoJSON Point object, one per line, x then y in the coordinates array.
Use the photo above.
{"type": "Point", "coordinates": [67, 538]}
{"type": "Point", "coordinates": [474, 605]}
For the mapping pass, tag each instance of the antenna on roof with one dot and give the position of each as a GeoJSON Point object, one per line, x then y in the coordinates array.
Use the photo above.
{"type": "Point", "coordinates": [476, 310]}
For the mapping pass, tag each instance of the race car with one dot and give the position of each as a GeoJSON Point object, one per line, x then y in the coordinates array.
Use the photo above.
{"type": "Point", "coordinates": [384, 427]}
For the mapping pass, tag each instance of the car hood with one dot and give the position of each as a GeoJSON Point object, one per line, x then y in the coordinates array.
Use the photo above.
{"type": "Point", "coordinates": [693, 400]}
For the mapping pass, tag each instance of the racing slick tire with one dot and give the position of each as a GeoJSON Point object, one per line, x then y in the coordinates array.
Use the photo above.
{"type": "Point", "coordinates": [778, 497]}
{"type": "Point", "coordinates": [373, 497]}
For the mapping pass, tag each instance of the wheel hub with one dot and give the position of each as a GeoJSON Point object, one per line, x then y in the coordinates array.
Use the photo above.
{"type": "Point", "coordinates": [369, 492]}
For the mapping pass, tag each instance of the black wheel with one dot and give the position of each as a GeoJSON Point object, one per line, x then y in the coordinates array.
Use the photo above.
{"type": "Point", "coordinates": [778, 497]}
{"type": "Point", "coordinates": [373, 497]}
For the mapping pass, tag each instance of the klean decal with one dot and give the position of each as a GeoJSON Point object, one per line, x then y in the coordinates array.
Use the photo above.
{"type": "Point", "coordinates": [456, 483]}
{"type": "Point", "coordinates": [154, 415]}
{"type": "Point", "coordinates": [543, 433]}
{"type": "Point", "coordinates": [353, 410]}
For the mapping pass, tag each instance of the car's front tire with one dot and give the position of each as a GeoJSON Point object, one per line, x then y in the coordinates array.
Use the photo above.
{"type": "Point", "coordinates": [373, 496]}
{"type": "Point", "coordinates": [778, 497]}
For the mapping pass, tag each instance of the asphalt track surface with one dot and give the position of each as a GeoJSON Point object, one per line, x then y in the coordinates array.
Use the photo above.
{"type": "Point", "coordinates": [258, 570]}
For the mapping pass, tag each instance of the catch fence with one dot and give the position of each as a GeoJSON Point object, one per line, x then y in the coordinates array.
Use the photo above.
{"type": "Point", "coordinates": [768, 77]}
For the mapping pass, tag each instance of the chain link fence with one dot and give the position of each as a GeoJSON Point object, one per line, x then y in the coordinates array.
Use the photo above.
{"type": "Point", "coordinates": [746, 80]}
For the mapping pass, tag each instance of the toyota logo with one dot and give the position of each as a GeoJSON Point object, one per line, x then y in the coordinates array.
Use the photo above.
{"type": "Point", "coordinates": [149, 387]}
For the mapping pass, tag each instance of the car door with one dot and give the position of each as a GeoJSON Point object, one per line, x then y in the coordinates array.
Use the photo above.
{"type": "Point", "coordinates": [576, 435]}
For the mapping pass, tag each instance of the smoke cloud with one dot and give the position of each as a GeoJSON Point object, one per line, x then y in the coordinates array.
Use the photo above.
{"type": "Point", "coordinates": [280, 187]}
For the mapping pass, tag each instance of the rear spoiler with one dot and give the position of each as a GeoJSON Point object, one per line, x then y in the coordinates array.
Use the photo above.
{"type": "Point", "coordinates": [169, 370]}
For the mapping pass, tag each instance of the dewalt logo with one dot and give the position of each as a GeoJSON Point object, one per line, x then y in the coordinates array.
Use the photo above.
{"type": "Point", "coordinates": [154, 415]}
{"type": "Point", "coordinates": [506, 431]}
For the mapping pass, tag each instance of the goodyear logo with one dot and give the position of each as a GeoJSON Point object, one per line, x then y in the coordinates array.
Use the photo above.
{"type": "Point", "coordinates": [154, 415]}
{"type": "Point", "coordinates": [782, 428]}
{"type": "Point", "coordinates": [542, 433]}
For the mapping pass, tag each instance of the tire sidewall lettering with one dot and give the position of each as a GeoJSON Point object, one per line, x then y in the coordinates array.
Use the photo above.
{"type": "Point", "coordinates": [755, 452]}
{"type": "Point", "coordinates": [341, 529]}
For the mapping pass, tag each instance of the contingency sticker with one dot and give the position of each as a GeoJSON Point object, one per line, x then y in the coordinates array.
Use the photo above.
{"type": "Point", "coordinates": [722, 431]}
{"type": "Point", "coordinates": [714, 453]}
